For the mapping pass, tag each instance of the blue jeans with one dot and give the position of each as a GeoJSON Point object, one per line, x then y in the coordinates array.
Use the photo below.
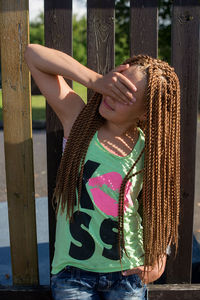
{"type": "Point", "coordinates": [74, 283]}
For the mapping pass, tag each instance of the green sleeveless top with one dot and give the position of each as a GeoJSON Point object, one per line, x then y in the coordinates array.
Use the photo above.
{"type": "Point", "coordinates": [90, 242]}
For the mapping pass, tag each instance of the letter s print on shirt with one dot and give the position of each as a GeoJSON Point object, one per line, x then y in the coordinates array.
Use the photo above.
{"type": "Point", "coordinates": [104, 190]}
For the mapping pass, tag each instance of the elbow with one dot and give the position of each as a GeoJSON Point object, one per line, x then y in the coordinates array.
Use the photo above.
{"type": "Point", "coordinates": [29, 51]}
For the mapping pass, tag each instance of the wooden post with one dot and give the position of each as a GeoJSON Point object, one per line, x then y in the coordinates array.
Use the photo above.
{"type": "Point", "coordinates": [144, 27]}
{"type": "Point", "coordinates": [100, 36]}
{"type": "Point", "coordinates": [58, 35]}
{"type": "Point", "coordinates": [185, 56]}
{"type": "Point", "coordinates": [18, 142]}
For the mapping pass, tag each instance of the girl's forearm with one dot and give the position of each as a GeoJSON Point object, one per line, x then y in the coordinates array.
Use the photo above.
{"type": "Point", "coordinates": [55, 62]}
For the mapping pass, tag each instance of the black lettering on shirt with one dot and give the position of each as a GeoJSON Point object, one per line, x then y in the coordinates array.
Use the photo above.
{"type": "Point", "coordinates": [89, 168]}
{"type": "Point", "coordinates": [78, 233]}
{"type": "Point", "coordinates": [109, 237]}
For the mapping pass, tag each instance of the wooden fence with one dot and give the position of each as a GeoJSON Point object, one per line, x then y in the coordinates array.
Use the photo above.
{"type": "Point", "coordinates": [18, 124]}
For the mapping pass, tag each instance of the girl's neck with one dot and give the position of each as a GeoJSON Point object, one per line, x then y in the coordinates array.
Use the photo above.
{"type": "Point", "coordinates": [113, 130]}
{"type": "Point", "coordinates": [116, 142]}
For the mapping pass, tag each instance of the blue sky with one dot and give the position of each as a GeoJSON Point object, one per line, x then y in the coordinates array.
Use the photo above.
{"type": "Point", "coordinates": [36, 6]}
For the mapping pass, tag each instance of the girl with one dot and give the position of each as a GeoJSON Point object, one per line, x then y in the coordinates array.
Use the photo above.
{"type": "Point", "coordinates": [117, 187]}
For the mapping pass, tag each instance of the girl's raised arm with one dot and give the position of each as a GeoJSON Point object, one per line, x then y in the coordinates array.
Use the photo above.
{"type": "Point", "coordinates": [49, 66]}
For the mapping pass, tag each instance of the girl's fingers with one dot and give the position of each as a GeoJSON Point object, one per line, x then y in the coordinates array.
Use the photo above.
{"type": "Point", "coordinates": [128, 84]}
{"type": "Point", "coordinates": [123, 89]}
{"type": "Point", "coordinates": [135, 270]}
{"type": "Point", "coordinates": [122, 96]}
{"type": "Point", "coordinates": [118, 95]}
{"type": "Point", "coordinates": [132, 271]}
{"type": "Point", "coordinates": [121, 68]}
{"type": "Point", "coordinates": [118, 86]}
{"type": "Point", "coordinates": [138, 270]}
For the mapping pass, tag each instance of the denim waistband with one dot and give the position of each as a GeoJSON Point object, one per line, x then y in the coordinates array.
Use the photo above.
{"type": "Point", "coordinates": [113, 284]}
{"type": "Point", "coordinates": [78, 272]}
{"type": "Point", "coordinates": [103, 280]}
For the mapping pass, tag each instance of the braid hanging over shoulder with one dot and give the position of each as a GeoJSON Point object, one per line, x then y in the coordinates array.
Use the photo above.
{"type": "Point", "coordinates": [161, 172]}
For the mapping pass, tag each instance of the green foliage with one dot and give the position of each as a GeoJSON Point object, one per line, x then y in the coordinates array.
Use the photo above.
{"type": "Point", "coordinates": [37, 30]}
{"type": "Point", "coordinates": [79, 36]}
{"type": "Point", "coordinates": [164, 37]}
{"type": "Point", "coordinates": [38, 103]}
{"type": "Point", "coordinates": [164, 41]}
{"type": "Point", "coordinates": [80, 39]}
{"type": "Point", "coordinates": [122, 40]}
{"type": "Point", "coordinates": [122, 32]}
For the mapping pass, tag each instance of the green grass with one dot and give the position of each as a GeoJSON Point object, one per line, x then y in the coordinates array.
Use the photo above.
{"type": "Point", "coordinates": [39, 105]}
{"type": "Point", "coordinates": [39, 102]}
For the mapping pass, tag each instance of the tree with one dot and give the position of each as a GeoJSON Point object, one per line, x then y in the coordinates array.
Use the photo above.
{"type": "Point", "coordinates": [80, 39]}
{"type": "Point", "coordinates": [79, 36]}
{"type": "Point", "coordinates": [37, 30]}
{"type": "Point", "coordinates": [122, 30]}
{"type": "Point", "coordinates": [164, 38]}
{"type": "Point", "coordinates": [122, 22]}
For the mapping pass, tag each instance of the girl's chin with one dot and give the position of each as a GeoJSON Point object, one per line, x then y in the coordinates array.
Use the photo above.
{"type": "Point", "coordinates": [102, 115]}
{"type": "Point", "coordinates": [102, 112]}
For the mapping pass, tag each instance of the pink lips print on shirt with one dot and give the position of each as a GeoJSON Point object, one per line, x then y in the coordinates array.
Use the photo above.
{"type": "Point", "coordinates": [103, 201]}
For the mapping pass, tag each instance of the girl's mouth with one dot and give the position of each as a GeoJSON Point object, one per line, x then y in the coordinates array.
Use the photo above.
{"type": "Point", "coordinates": [107, 105]}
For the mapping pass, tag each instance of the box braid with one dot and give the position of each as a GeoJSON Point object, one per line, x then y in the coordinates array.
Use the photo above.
{"type": "Point", "coordinates": [161, 172]}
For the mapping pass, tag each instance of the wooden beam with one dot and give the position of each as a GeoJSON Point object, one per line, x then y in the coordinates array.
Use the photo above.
{"type": "Point", "coordinates": [144, 27]}
{"type": "Point", "coordinates": [18, 142]}
{"type": "Point", "coordinates": [40, 292]}
{"type": "Point", "coordinates": [58, 35]}
{"type": "Point", "coordinates": [155, 292]}
{"type": "Point", "coordinates": [174, 291]}
{"type": "Point", "coordinates": [185, 59]}
{"type": "Point", "coordinates": [100, 36]}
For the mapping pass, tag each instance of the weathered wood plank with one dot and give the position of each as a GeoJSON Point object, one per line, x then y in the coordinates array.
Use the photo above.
{"type": "Point", "coordinates": [174, 291]}
{"type": "Point", "coordinates": [144, 27]}
{"type": "Point", "coordinates": [40, 292]}
{"type": "Point", "coordinates": [58, 35]}
{"type": "Point", "coordinates": [100, 36]}
{"type": "Point", "coordinates": [185, 55]}
{"type": "Point", "coordinates": [18, 142]}
{"type": "Point", "coordinates": [155, 292]}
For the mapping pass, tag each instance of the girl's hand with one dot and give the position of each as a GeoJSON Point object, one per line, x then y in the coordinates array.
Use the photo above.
{"type": "Point", "coordinates": [116, 85]}
{"type": "Point", "coordinates": [152, 273]}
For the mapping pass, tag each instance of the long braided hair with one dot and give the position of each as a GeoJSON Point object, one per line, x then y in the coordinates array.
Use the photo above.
{"type": "Point", "coordinates": [161, 173]}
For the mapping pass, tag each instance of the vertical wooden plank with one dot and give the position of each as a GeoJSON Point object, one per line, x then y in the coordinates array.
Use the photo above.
{"type": "Point", "coordinates": [144, 27]}
{"type": "Point", "coordinates": [18, 142]}
{"type": "Point", "coordinates": [185, 58]}
{"type": "Point", "coordinates": [100, 36]}
{"type": "Point", "coordinates": [58, 35]}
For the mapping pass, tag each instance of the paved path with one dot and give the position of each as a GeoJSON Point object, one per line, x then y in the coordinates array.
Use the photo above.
{"type": "Point", "coordinates": [40, 165]}
{"type": "Point", "coordinates": [42, 239]}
